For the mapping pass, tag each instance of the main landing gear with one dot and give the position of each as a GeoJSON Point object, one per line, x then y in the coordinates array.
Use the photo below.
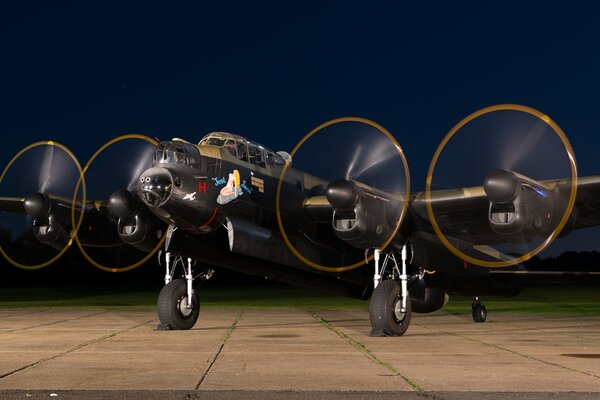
{"type": "Point", "coordinates": [390, 308]}
{"type": "Point", "coordinates": [178, 305]}
{"type": "Point", "coordinates": [479, 310]}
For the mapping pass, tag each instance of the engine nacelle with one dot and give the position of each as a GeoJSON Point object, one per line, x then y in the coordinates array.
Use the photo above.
{"type": "Point", "coordinates": [48, 220]}
{"type": "Point", "coordinates": [429, 299]}
{"type": "Point", "coordinates": [141, 230]}
{"type": "Point", "coordinates": [137, 226]}
{"type": "Point", "coordinates": [50, 231]}
{"type": "Point", "coordinates": [362, 216]}
{"type": "Point", "coordinates": [521, 209]}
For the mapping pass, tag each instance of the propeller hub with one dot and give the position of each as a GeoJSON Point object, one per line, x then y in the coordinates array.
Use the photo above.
{"type": "Point", "coordinates": [155, 186]}
{"type": "Point", "coordinates": [37, 205]}
{"type": "Point", "coordinates": [123, 203]}
{"type": "Point", "coordinates": [342, 195]}
{"type": "Point", "coordinates": [501, 186]}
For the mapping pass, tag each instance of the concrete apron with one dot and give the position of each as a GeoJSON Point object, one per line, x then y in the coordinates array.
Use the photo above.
{"type": "Point", "coordinates": [297, 351]}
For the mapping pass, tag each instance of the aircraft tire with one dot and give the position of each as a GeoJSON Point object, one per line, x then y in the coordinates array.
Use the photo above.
{"type": "Point", "coordinates": [479, 312]}
{"type": "Point", "coordinates": [384, 310]}
{"type": "Point", "coordinates": [171, 306]}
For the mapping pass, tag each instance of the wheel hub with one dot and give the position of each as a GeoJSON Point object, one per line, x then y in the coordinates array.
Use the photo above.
{"type": "Point", "coordinates": [398, 314]}
{"type": "Point", "coordinates": [182, 307]}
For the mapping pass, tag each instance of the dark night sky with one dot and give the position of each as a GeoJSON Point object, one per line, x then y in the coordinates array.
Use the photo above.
{"type": "Point", "coordinates": [83, 72]}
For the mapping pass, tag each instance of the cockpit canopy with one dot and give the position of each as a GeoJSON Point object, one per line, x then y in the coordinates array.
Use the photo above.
{"type": "Point", "coordinates": [243, 149]}
{"type": "Point", "coordinates": [177, 152]}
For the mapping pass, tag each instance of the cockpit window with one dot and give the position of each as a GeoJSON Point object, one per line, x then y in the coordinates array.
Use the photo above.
{"type": "Point", "coordinates": [256, 155]}
{"type": "Point", "coordinates": [243, 149]}
{"type": "Point", "coordinates": [252, 154]}
{"type": "Point", "coordinates": [230, 147]}
{"type": "Point", "coordinates": [269, 158]}
{"type": "Point", "coordinates": [260, 158]}
{"type": "Point", "coordinates": [216, 141]}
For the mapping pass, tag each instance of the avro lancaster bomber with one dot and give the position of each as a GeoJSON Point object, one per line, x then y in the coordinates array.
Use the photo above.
{"type": "Point", "coordinates": [230, 203]}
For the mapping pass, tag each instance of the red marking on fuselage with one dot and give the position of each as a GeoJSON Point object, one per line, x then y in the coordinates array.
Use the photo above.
{"type": "Point", "coordinates": [202, 187]}
{"type": "Point", "coordinates": [211, 218]}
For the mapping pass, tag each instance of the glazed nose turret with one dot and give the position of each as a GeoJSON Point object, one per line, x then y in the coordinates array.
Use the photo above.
{"type": "Point", "coordinates": [155, 186]}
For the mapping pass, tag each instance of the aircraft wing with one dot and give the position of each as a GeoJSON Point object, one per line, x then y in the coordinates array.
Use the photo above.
{"type": "Point", "coordinates": [15, 205]}
{"type": "Point", "coordinates": [318, 208]}
{"type": "Point", "coordinates": [12, 205]}
{"type": "Point", "coordinates": [98, 228]}
{"type": "Point", "coordinates": [463, 214]}
{"type": "Point", "coordinates": [587, 204]}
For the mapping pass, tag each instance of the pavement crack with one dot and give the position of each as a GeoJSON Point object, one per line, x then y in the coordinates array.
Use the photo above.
{"type": "Point", "coordinates": [73, 349]}
{"type": "Point", "coordinates": [224, 340]}
{"type": "Point", "coordinates": [507, 350]}
{"type": "Point", "coordinates": [368, 353]}
{"type": "Point", "coordinates": [54, 322]}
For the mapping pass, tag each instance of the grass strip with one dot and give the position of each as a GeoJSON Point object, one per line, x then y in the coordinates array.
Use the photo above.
{"type": "Point", "coordinates": [581, 300]}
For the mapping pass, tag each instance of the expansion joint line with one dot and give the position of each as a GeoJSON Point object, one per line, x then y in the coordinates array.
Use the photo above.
{"type": "Point", "coordinates": [73, 349]}
{"type": "Point", "coordinates": [569, 334]}
{"type": "Point", "coordinates": [55, 322]}
{"type": "Point", "coordinates": [28, 312]}
{"type": "Point", "coordinates": [516, 353]}
{"type": "Point", "coordinates": [368, 353]}
{"type": "Point", "coordinates": [224, 340]}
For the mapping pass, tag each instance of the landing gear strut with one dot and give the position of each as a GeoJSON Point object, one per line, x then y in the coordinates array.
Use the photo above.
{"type": "Point", "coordinates": [390, 308]}
{"type": "Point", "coordinates": [479, 310]}
{"type": "Point", "coordinates": [178, 305]}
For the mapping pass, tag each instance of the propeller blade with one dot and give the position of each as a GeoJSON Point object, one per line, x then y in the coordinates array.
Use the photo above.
{"type": "Point", "coordinates": [112, 174]}
{"type": "Point", "coordinates": [343, 160]}
{"type": "Point", "coordinates": [42, 178]}
{"type": "Point", "coordinates": [46, 169]}
{"type": "Point", "coordinates": [513, 153]}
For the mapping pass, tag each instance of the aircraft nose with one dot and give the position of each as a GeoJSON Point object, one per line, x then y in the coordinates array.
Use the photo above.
{"type": "Point", "coordinates": [155, 186]}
